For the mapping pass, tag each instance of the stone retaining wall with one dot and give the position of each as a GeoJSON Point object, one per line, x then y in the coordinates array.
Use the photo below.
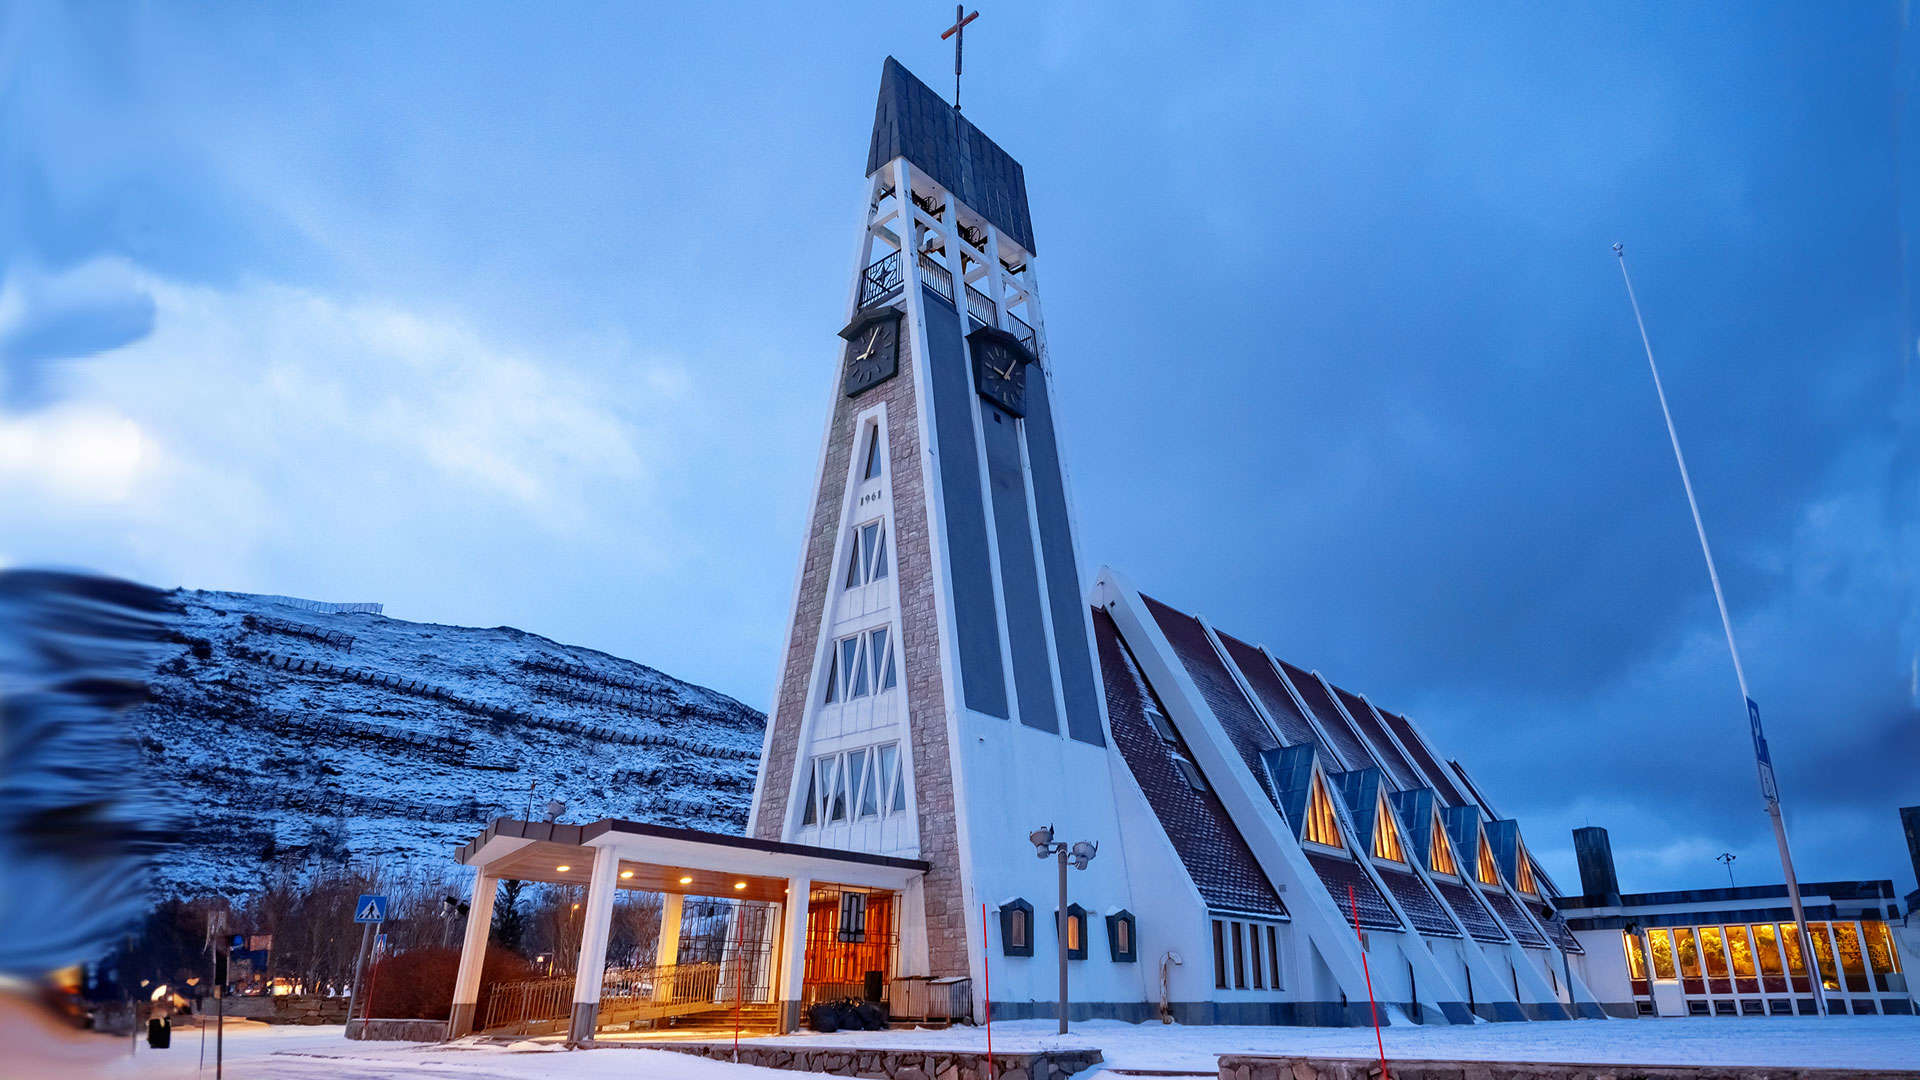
{"type": "Point", "coordinates": [397, 1030]}
{"type": "Point", "coordinates": [285, 1009]}
{"type": "Point", "coordinates": [894, 1064]}
{"type": "Point", "coordinates": [1252, 1067]}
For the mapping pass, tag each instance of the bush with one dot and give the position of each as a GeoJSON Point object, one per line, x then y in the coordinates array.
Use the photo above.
{"type": "Point", "coordinates": [418, 984]}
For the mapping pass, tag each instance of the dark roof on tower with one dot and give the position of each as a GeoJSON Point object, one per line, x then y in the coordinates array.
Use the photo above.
{"type": "Point", "coordinates": [914, 122]}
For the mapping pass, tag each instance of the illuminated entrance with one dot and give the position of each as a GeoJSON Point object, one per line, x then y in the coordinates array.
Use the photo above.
{"type": "Point", "coordinates": [682, 929]}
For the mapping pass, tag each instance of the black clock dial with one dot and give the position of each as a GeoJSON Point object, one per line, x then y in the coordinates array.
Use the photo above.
{"type": "Point", "coordinates": [873, 350]}
{"type": "Point", "coordinates": [1000, 369]}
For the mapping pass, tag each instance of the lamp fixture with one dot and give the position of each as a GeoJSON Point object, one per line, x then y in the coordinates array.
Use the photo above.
{"type": "Point", "coordinates": [739, 884]}
{"type": "Point", "coordinates": [563, 868]}
{"type": "Point", "coordinates": [626, 873]}
{"type": "Point", "coordinates": [686, 881]}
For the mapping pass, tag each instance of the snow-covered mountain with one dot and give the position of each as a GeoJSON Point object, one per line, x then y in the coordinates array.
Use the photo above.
{"type": "Point", "coordinates": [280, 728]}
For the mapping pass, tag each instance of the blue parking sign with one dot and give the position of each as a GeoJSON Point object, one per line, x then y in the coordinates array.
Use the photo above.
{"type": "Point", "coordinates": [370, 908]}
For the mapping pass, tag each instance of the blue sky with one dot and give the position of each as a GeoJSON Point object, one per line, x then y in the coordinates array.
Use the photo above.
{"type": "Point", "coordinates": [497, 316]}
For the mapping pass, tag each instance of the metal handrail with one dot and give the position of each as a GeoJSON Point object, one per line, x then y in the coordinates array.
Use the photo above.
{"type": "Point", "coordinates": [882, 278]}
{"type": "Point", "coordinates": [980, 307]}
{"type": "Point", "coordinates": [937, 276]}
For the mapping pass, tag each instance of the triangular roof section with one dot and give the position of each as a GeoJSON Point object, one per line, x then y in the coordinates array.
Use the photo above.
{"type": "Point", "coordinates": [1209, 845]}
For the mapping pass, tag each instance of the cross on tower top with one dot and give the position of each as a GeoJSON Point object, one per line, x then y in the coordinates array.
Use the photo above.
{"type": "Point", "coordinates": [958, 32]}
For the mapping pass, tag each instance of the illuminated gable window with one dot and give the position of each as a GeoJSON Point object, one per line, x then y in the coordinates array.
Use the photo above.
{"type": "Point", "coordinates": [1439, 855]}
{"type": "Point", "coordinates": [1386, 838]}
{"type": "Point", "coordinates": [1488, 872]}
{"type": "Point", "coordinates": [867, 554]}
{"type": "Point", "coordinates": [1526, 882]}
{"type": "Point", "coordinates": [1322, 826]}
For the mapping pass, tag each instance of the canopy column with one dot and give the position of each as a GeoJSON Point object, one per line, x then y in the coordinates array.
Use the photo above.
{"type": "Point", "coordinates": [792, 973]}
{"type": "Point", "coordinates": [473, 954]}
{"type": "Point", "coordinates": [593, 946]}
{"type": "Point", "coordinates": [667, 956]}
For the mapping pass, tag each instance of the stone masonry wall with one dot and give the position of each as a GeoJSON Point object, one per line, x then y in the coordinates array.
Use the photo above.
{"type": "Point", "coordinates": [912, 547]}
{"type": "Point", "coordinates": [897, 1064]}
{"type": "Point", "coordinates": [1250, 1067]}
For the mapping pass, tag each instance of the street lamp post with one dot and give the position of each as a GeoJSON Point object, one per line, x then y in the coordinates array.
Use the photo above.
{"type": "Point", "coordinates": [1080, 853]}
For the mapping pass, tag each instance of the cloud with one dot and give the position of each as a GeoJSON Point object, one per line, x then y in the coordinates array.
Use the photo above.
{"type": "Point", "coordinates": [49, 318]}
{"type": "Point", "coordinates": [268, 417]}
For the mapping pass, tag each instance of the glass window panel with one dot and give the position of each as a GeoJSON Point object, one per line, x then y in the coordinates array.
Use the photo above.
{"type": "Point", "coordinates": [886, 778]}
{"type": "Point", "coordinates": [882, 660]}
{"type": "Point", "coordinates": [1253, 957]}
{"type": "Point", "coordinates": [1847, 938]}
{"type": "Point", "coordinates": [1636, 961]}
{"type": "Point", "coordinates": [857, 683]}
{"type": "Point", "coordinates": [849, 651]}
{"type": "Point", "coordinates": [1790, 938]}
{"type": "Point", "coordinates": [1766, 946]}
{"type": "Point", "coordinates": [1880, 951]}
{"type": "Point", "coordinates": [1823, 955]}
{"type": "Point", "coordinates": [873, 455]}
{"type": "Point", "coordinates": [1322, 828]}
{"type": "Point", "coordinates": [836, 786]}
{"type": "Point", "coordinates": [1489, 871]}
{"type": "Point", "coordinates": [1688, 949]}
{"type": "Point", "coordinates": [1740, 951]}
{"type": "Point", "coordinates": [1715, 951]}
{"type": "Point", "coordinates": [1526, 884]}
{"type": "Point", "coordinates": [811, 815]}
{"type": "Point", "coordinates": [1660, 944]}
{"type": "Point", "coordinates": [1219, 956]}
{"type": "Point", "coordinates": [861, 784]}
{"type": "Point", "coordinates": [854, 563]}
{"type": "Point", "coordinates": [1018, 927]}
{"type": "Point", "coordinates": [833, 679]}
{"type": "Point", "coordinates": [1239, 960]}
{"type": "Point", "coordinates": [899, 790]}
{"type": "Point", "coordinates": [1439, 855]}
{"type": "Point", "coordinates": [879, 560]}
{"type": "Point", "coordinates": [1074, 925]}
{"type": "Point", "coordinates": [1123, 935]}
{"type": "Point", "coordinates": [1386, 838]}
{"type": "Point", "coordinates": [1273, 958]}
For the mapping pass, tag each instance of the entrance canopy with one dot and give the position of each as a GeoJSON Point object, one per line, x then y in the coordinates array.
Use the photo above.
{"type": "Point", "coordinates": [772, 952]}
{"type": "Point", "coordinates": [659, 858]}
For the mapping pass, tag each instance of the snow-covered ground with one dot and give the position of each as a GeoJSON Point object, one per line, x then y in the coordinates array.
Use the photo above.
{"type": "Point", "coordinates": [1839, 1041]}
{"type": "Point", "coordinates": [257, 1052]}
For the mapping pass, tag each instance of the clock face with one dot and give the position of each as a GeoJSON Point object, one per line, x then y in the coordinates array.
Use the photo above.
{"type": "Point", "coordinates": [873, 351]}
{"type": "Point", "coordinates": [1000, 372]}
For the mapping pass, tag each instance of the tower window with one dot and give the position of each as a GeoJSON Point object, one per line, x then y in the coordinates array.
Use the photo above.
{"type": "Point", "coordinates": [858, 785]}
{"type": "Point", "coordinates": [1488, 871]}
{"type": "Point", "coordinates": [867, 554]}
{"type": "Point", "coordinates": [863, 665]}
{"type": "Point", "coordinates": [1189, 771]}
{"type": "Point", "coordinates": [1386, 837]}
{"type": "Point", "coordinates": [1322, 826]}
{"type": "Point", "coordinates": [1016, 928]}
{"type": "Point", "coordinates": [873, 467]}
{"type": "Point", "coordinates": [1219, 955]}
{"type": "Point", "coordinates": [1439, 855]}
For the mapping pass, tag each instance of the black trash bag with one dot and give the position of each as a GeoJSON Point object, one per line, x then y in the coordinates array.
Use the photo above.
{"type": "Point", "coordinates": [159, 1033]}
{"type": "Point", "coordinates": [872, 1016]}
{"type": "Point", "coordinates": [824, 1018]}
{"type": "Point", "coordinates": [847, 1012]}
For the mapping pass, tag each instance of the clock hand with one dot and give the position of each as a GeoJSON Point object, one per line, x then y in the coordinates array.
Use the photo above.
{"type": "Point", "coordinates": [870, 340]}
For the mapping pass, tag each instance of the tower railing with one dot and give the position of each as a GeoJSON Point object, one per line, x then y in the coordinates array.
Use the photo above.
{"type": "Point", "coordinates": [881, 280]}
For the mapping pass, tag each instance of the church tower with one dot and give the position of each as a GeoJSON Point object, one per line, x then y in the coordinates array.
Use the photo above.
{"type": "Point", "coordinates": [938, 695]}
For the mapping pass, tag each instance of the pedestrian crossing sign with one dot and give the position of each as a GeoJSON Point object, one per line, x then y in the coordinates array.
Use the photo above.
{"type": "Point", "coordinates": [370, 908]}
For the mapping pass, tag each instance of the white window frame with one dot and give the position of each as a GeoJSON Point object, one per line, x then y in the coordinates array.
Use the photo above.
{"type": "Point", "coordinates": [867, 554]}
{"type": "Point", "coordinates": [833, 773]}
{"type": "Point", "coordinates": [860, 669]}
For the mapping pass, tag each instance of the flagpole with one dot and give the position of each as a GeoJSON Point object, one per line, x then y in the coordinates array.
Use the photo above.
{"type": "Point", "coordinates": [1763, 759]}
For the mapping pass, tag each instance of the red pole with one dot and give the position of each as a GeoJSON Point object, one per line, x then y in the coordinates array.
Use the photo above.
{"type": "Point", "coordinates": [1353, 904]}
{"type": "Point", "coordinates": [739, 974]}
{"type": "Point", "coordinates": [986, 984]}
{"type": "Point", "coordinates": [373, 977]}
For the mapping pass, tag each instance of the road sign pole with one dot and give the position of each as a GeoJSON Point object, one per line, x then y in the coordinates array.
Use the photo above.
{"type": "Point", "coordinates": [359, 959]}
